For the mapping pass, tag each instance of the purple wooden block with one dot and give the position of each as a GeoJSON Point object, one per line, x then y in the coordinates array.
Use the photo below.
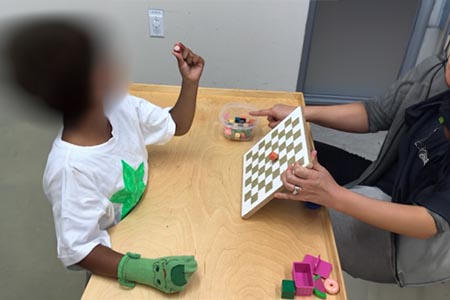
{"type": "Point", "coordinates": [319, 266]}
{"type": "Point", "coordinates": [303, 278]}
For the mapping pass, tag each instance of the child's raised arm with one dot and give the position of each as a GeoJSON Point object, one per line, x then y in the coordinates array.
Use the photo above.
{"type": "Point", "coordinates": [191, 68]}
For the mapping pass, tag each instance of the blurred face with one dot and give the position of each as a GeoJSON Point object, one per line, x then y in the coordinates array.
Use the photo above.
{"type": "Point", "coordinates": [109, 83]}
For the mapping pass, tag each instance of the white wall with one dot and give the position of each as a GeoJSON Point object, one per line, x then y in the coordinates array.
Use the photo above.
{"type": "Point", "coordinates": [247, 44]}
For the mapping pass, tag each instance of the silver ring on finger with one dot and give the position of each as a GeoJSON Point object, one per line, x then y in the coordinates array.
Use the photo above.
{"type": "Point", "coordinates": [296, 190]}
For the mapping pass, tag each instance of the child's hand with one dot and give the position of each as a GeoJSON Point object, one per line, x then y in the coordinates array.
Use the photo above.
{"type": "Point", "coordinates": [190, 64]}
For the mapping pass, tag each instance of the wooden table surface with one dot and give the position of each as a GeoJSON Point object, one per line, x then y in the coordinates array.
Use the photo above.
{"type": "Point", "coordinates": [192, 206]}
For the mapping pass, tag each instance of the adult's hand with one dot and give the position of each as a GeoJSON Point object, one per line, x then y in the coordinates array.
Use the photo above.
{"type": "Point", "coordinates": [316, 184]}
{"type": "Point", "coordinates": [274, 115]}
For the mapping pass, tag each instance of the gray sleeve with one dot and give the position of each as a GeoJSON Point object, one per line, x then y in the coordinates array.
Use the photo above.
{"type": "Point", "coordinates": [382, 110]}
{"type": "Point", "coordinates": [441, 224]}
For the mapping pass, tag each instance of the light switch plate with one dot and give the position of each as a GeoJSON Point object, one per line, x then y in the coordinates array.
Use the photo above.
{"type": "Point", "coordinates": [156, 22]}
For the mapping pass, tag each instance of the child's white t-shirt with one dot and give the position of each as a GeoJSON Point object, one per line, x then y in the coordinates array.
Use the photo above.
{"type": "Point", "coordinates": [82, 182]}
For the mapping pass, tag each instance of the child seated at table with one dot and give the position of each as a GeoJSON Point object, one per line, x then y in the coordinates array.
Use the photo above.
{"type": "Point", "coordinates": [97, 169]}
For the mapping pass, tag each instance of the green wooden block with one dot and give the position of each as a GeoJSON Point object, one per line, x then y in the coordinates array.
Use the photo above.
{"type": "Point", "coordinates": [319, 294]}
{"type": "Point", "coordinates": [287, 289]}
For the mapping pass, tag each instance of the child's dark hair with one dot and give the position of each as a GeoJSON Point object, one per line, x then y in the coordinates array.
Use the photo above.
{"type": "Point", "coordinates": [52, 58]}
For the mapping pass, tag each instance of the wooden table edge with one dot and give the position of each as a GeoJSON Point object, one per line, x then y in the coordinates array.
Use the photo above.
{"type": "Point", "coordinates": [327, 222]}
{"type": "Point", "coordinates": [140, 87]}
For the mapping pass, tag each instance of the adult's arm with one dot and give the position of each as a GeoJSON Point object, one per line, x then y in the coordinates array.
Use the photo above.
{"type": "Point", "coordinates": [318, 186]}
{"type": "Point", "coordinates": [409, 220]}
{"type": "Point", "coordinates": [346, 117]}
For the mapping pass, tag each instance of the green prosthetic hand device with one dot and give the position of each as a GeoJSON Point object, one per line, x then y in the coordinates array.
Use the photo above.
{"type": "Point", "coordinates": [168, 274]}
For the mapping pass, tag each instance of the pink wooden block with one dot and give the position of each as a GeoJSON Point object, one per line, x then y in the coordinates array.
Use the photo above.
{"type": "Point", "coordinates": [318, 283]}
{"type": "Point", "coordinates": [227, 131]}
{"type": "Point", "coordinates": [303, 278]}
{"type": "Point", "coordinates": [319, 266]}
{"type": "Point", "coordinates": [179, 47]}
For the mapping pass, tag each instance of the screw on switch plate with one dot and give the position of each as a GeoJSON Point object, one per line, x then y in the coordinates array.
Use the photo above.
{"type": "Point", "coordinates": [156, 22]}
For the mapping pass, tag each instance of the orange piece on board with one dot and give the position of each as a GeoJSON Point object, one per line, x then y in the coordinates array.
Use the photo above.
{"type": "Point", "coordinates": [273, 156]}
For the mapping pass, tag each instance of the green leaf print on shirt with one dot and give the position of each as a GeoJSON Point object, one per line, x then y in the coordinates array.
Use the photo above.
{"type": "Point", "coordinates": [134, 187]}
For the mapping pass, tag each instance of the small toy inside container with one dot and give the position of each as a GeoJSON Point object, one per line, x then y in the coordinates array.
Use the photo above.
{"type": "Point", "coordinates": [238, 125]}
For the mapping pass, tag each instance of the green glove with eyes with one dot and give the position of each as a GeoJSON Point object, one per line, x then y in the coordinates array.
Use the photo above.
{"type": "Point", "coordinates": [168, 274]}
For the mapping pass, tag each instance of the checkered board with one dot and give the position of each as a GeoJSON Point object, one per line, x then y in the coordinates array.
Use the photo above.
{"type": "Point", "coordinates": [261, 176]}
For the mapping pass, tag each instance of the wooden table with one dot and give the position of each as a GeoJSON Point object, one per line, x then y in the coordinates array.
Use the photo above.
{"type": "Point", "coordinates": [192, 206]}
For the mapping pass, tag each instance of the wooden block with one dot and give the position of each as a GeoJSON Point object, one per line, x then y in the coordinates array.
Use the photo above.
{"type": "Point", "coordinates": [273, 156]}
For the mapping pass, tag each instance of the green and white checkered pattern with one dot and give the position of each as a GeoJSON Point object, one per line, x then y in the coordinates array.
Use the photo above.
{"type": "Point", "coordinates": [261, 176]}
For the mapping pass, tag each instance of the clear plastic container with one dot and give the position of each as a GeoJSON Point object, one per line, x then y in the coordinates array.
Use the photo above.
{"type": "Point", "coordinates": [238, 125]}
